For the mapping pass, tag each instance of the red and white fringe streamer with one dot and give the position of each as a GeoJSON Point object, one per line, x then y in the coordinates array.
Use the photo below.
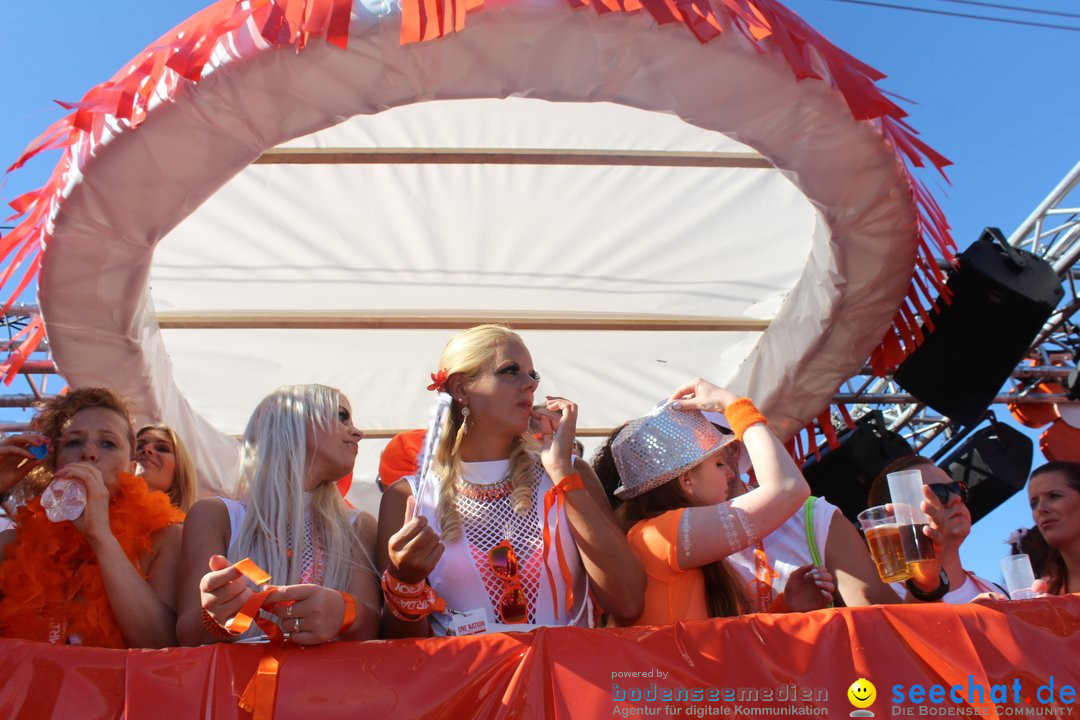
{"type": "Point", "coordinates": [181, 55]}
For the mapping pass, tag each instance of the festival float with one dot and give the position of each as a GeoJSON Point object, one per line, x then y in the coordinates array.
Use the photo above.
{"type": "Point", "coordinates": [284, 191]}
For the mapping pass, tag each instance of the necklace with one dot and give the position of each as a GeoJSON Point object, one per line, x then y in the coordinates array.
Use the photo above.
{"type": "Point", "coordinates": [484, 493]}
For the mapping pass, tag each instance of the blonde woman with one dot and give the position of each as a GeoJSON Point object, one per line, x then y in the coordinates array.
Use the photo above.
{"type": "Point", "coordinates": [509, 529]}
{"type": "Point", "coordinates": [166, 464]}
{"type": "Point", "coordinates": [292, 521]}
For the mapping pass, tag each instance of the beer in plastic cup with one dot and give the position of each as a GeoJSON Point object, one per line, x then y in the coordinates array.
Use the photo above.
{"type": "Point", "coordinates": [883, 536]}
{"type": "Point", "coordinates": [906, 491]}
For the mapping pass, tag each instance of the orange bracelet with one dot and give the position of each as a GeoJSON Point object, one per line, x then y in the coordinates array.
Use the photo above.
{"type": "Point", "coordinates": [211, 626]}
{"type": "Point", "coordinates": [410, 602]}
{"type": "Point", "coordinates": [741, 414]}
{"type": "Point", "coordinates": [350, 612]}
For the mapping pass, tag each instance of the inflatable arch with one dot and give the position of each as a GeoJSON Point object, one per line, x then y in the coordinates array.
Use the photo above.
{"type": "Point", "coordinates": [287, 191]}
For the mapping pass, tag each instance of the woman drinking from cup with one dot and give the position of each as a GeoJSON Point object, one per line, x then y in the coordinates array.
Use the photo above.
{"type": "Point", "coordinates": [105, 576]}
{"type": "Point", "coordinates": [509, 530]}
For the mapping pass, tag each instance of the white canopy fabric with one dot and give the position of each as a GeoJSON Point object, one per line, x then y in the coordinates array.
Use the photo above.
{"type": "Point", "coordinates": [610, 173]}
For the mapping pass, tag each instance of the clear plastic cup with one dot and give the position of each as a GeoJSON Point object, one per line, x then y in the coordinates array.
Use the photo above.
{"type": "Point", "coordinates": [1019, 577]}
{"type": "Point", "coordinates": [64, 500]}
{"type": "Point", "coordinates": [906, 491]}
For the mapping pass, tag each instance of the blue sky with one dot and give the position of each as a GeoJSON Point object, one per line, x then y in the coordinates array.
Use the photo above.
{"type": "Point", "coordinates": [998, 99]}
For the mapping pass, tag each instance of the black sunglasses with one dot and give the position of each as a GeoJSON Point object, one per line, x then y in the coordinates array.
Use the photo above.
{"type": "Point", "coordinates": [943, 490]}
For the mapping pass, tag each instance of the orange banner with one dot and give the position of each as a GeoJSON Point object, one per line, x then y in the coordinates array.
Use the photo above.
{"type": "Point", "coordinates": [1003, 660]}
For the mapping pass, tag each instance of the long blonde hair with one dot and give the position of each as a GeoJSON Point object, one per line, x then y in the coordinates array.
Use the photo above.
{"type": "Point", "coordinates": [273, 466]}
{"type": "Point", "coordinates": [185, 483]}
{"type": "Point", "coordinates": [467, 354]}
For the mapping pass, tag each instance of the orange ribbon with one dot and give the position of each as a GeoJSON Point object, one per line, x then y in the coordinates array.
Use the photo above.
{"type": "Point", "coordinates": [258, 697]}
{"type": "Point", "coordinates": [763, 577]}
{"type": "Point", "coordinates": [555, 497]}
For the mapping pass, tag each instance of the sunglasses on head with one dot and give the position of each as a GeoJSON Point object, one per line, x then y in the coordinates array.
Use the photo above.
{"type": "Point", "coordinates": [513, 607]}
{"type": "Point", "coordinates": [943, 490]}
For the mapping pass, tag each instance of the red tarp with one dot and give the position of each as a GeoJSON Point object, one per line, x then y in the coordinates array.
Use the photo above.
{"type": "Point", "coordinates": [573, 673]}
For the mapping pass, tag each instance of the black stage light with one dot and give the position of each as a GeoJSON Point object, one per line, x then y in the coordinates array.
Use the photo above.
{"type": "Point", "coordinates": [994, 462]}
{"type": "Point", "coordinates": [843, 474]}
{"type": "Point", "coordinates": [1001, 297]}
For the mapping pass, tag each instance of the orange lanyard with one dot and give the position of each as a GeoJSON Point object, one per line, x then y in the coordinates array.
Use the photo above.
{"type": "Point", "coordinates": [763, 578]}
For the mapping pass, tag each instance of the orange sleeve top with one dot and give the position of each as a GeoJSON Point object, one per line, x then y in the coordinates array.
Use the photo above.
{"type": "Point", "coordinates": [671, 593]}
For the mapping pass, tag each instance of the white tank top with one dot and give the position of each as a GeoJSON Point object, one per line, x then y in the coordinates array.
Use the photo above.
{"type": "Point", "coordinates": [463, 577]}
{"type": "Point", "coordinates": [786, 548]}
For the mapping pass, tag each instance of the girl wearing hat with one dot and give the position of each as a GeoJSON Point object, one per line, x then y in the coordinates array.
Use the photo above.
{"type": "Point", "coordinates": [676, 469]}
{"type": "Point", "coordinates": [511, 532]}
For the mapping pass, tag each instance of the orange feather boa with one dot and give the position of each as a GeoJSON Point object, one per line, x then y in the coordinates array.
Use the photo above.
{"type": "Point", "coordinates": [50, 583]}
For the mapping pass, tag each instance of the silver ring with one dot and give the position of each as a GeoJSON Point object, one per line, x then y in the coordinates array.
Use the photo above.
{"type": "Point", "coordinates": [296, 625]}
{"type": "Point", "coordinates": [288, 611]}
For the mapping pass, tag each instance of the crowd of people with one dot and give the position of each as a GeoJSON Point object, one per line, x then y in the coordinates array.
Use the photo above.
{"type": "Point", "coordinates": [490, 521]}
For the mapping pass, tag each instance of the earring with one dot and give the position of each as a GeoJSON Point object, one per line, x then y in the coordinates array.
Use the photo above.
{"type": "Point", "coordinates": [465, 419]}
{"type": "Point", "coordinates": [465, 412]}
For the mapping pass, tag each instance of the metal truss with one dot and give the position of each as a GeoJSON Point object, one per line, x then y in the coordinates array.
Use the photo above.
{"type": "Point", "coordinates": [1051, 232]}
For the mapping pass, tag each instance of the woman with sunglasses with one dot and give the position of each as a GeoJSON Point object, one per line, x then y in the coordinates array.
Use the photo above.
{"type": "Point", "coordinates": [1054, 494]}
{"type": "Point", "coordinates": [508, 528]}
{"type": "Point", "coordinates": [950, 523]}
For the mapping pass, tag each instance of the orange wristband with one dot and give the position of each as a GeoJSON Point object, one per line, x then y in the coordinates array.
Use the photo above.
{"type": "Point", "coordinates": [741, 414]}
{"type": "Point", "coordinates": [211, 626]}
{"type": "Point", "coordinates": [350, 612]}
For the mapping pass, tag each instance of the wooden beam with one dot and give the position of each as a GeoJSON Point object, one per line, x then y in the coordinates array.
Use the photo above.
{"type": "Point", "coordinates": [438, 320]}
{"type": "Point", "coordinates": [511, 156]}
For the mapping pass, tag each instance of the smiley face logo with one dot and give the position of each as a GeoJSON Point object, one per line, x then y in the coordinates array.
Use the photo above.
{"type": "Point", "coordinates": [862, 693]}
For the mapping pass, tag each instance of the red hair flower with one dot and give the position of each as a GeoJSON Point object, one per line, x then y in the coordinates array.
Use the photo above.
{"type": "Point", "coordinates": [438, 383]}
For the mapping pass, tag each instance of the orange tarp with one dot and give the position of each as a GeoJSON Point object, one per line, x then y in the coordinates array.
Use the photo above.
{"type": "Point", "coordinates": [767, 664]}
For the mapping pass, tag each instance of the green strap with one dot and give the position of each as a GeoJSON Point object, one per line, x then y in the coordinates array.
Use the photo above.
{"type": "Point", "coordinates": [811, 539]}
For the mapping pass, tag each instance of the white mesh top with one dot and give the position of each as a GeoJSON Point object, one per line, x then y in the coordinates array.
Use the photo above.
{"type": "Point", "coordinates": [464, 578]}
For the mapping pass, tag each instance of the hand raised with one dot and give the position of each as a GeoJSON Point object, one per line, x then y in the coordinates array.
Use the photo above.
{"type": "Point", "coordinates": [415, 548]}
{"type": "Point", "coordinates": [558, 424]}
{"type": "Point", "coordinates": [699, 394]}
{"type": "Point", "coordinates": [94, 522]}
{"type": "Point", "coordinates": [16, 459]}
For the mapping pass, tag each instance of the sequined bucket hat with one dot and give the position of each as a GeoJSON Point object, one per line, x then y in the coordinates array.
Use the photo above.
{"type": "Point", "coordinates": [661, 446]}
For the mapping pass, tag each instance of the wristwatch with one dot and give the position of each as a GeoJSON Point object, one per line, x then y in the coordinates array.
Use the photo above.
{"type": "Point", "coordinates": [929, 596]}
